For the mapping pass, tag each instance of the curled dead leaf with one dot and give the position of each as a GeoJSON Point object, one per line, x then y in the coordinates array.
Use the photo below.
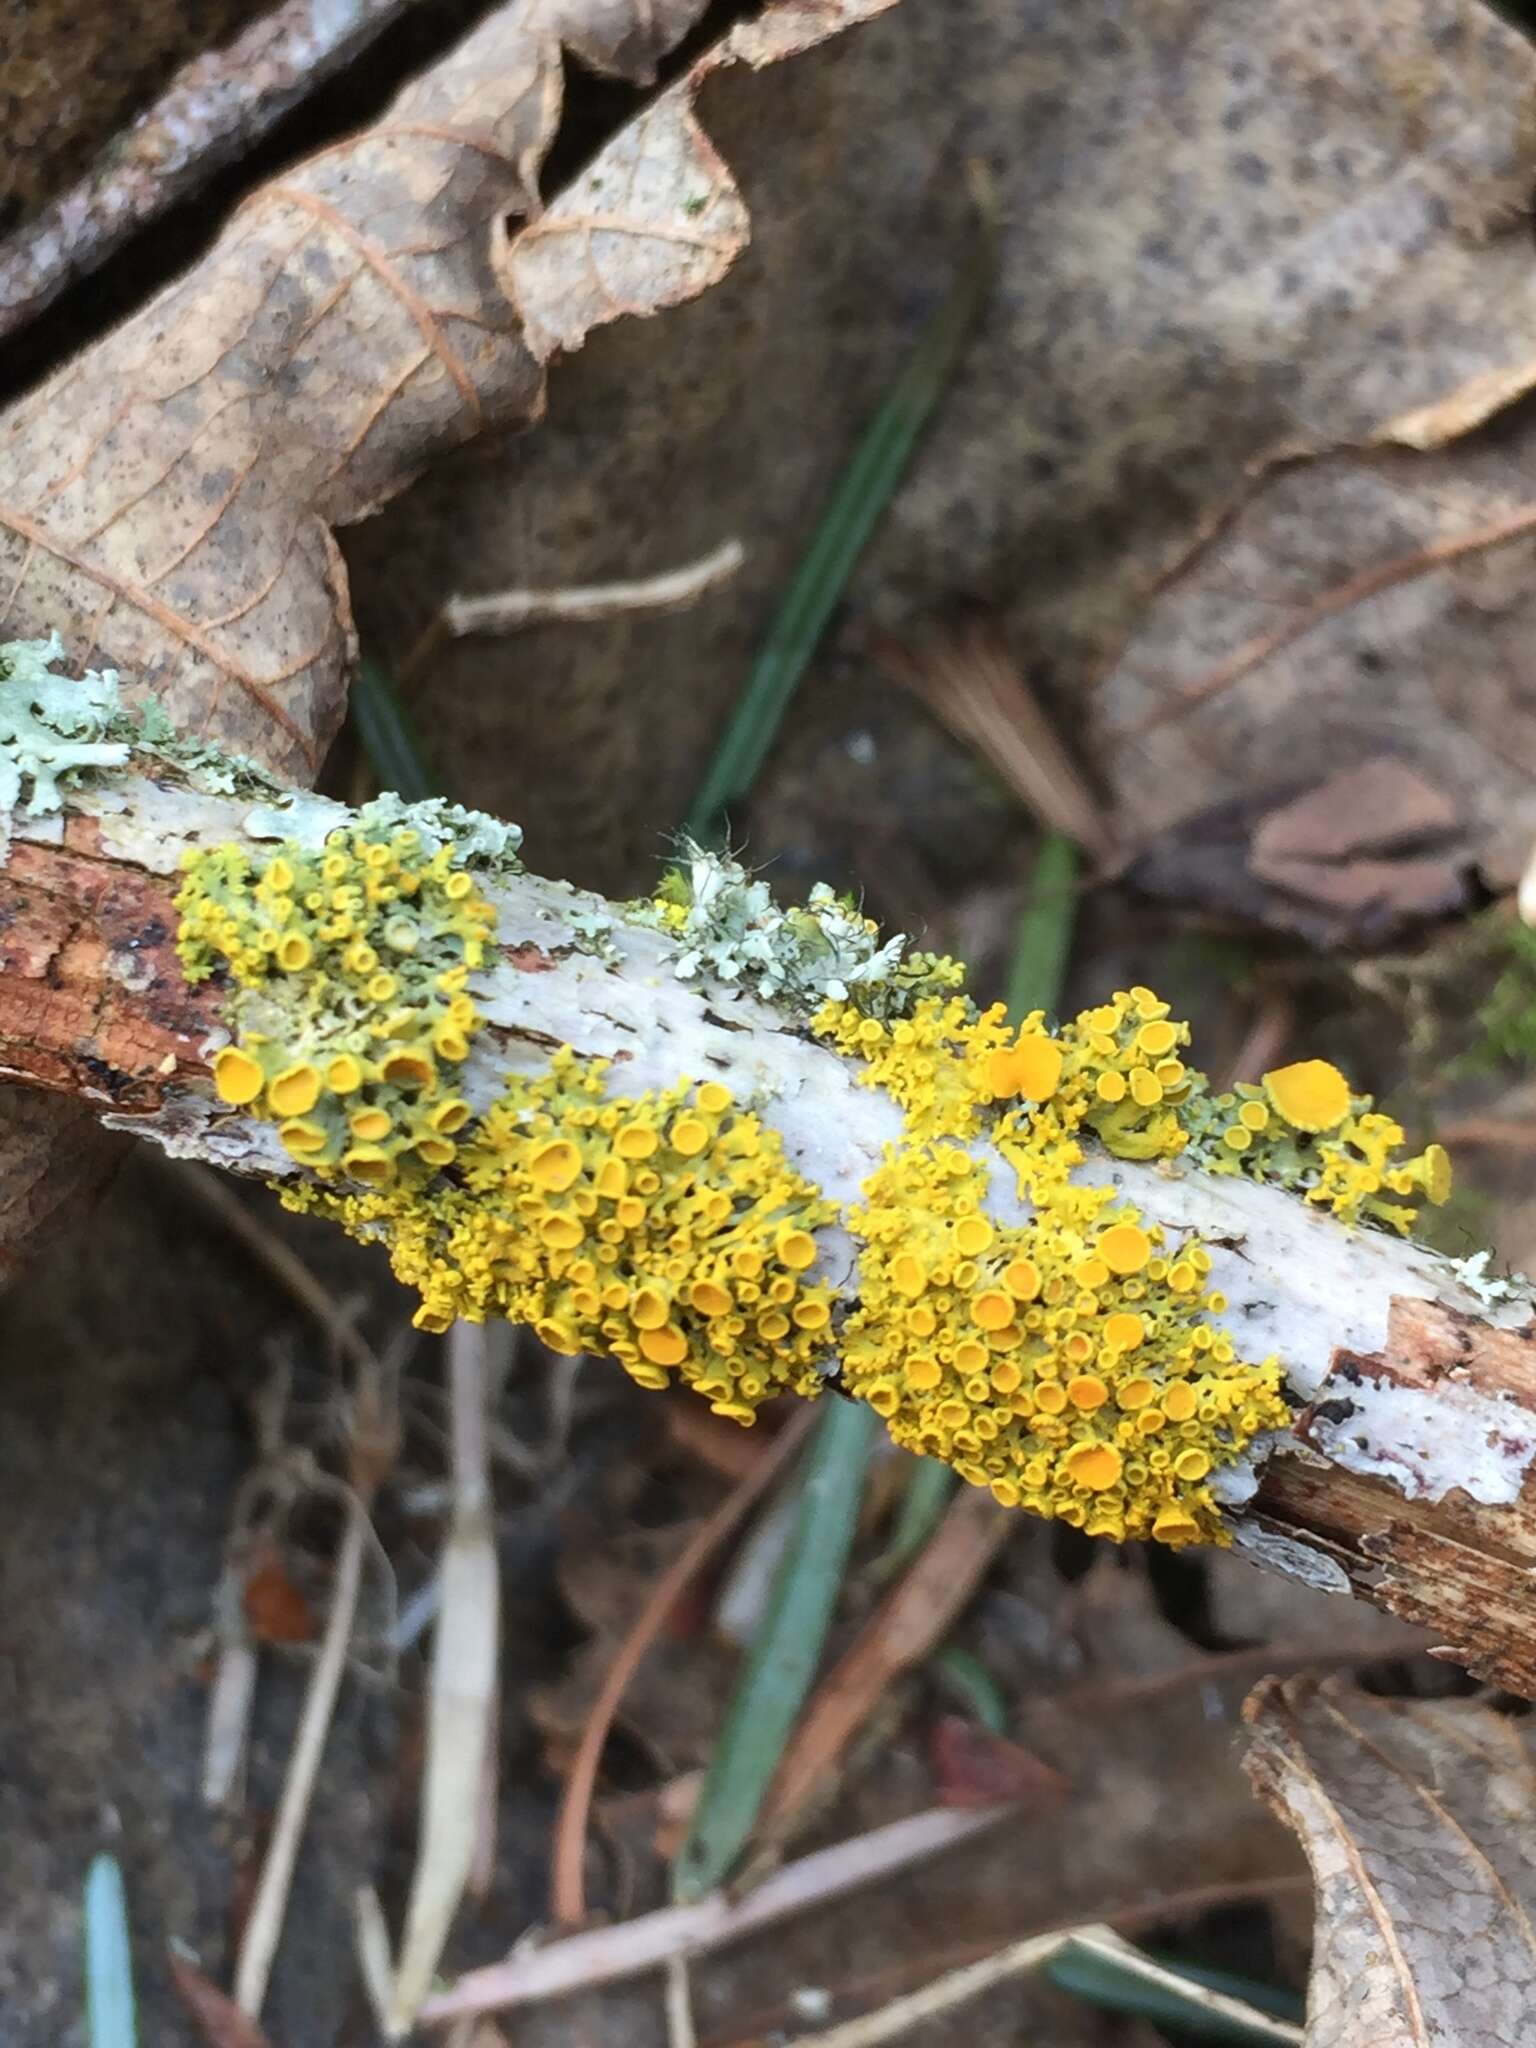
{"type": "Point", "coordinates": [1417, 1817]}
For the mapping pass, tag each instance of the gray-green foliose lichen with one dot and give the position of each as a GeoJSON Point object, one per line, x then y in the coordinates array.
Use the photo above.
{"type": "Point", "coordinates": [59, 732]}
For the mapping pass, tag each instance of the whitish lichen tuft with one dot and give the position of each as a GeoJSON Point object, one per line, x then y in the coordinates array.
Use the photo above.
{"type": "Point", "coordinates": [728, 927]}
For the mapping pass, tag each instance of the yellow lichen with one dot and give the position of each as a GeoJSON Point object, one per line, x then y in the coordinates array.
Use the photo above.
{"type": "Point", "coordinates": [334, 1047]}
{"type": "Point", "coordinates": [1007, 1350]}
{"type": "Point", "coordinates": [1071, 1361]}
{"type": "Point", "coordinates": [1311, 1095]}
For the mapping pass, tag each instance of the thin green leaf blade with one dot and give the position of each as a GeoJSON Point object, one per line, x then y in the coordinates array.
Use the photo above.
{"type": "Point", "coordinates": [786, 1653]}
{"type": "Point", "coordinates": [849, 517]}
{"type": "Point", "coordinates": [109, 1999]}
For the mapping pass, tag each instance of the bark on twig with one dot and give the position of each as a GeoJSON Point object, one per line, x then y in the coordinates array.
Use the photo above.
{"type": "Point", "coordinates": [1409, 1476]}
{"type": "Point", "coordinates": [214, 108]}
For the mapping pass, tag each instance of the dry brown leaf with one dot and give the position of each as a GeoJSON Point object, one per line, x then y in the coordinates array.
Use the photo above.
{"type": "Point", "coordinates": [167, 500]}
{"type": "Point", "coordinates": [1420, 1823]}
{"type": "Point", "coordinates": [1355, 859]}
{"type": "Point", "coordinates": [1228, 229]}
{"type": "Point", "coordinates": [1356, 599]}
{"type": "Point", "coordinates": [656, 218]}
{"type": "Point", "coordinates": [1381, 807]}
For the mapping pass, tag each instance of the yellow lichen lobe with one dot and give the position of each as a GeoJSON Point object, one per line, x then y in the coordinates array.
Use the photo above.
{"type": "Point", "coordinates": [332, 1047]}
{"type": "Point", "coordinates": [1311, 1095]}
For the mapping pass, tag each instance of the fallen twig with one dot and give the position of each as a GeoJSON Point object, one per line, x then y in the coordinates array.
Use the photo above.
{"type": "Point", "coordinates": [215, 107]}
{"type": "Point", "coordinates": [891, 2021]}
{"type": "Point", "coordinates": [511, 611]}
{"type": "Point", "coordinates": [1218, 1668]}
{"type": "Point", "coordinates": [372, 1451]}
{"type": "Point", "coordinates": [768, 2027]}
{"type": "Point", "coordinates": [603, 1955]}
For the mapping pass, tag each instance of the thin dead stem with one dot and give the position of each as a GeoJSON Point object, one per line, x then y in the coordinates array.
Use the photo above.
{"type": "Point", "coordinates": [286, 1267]}
{"type": "Point", "coordinates": [902, 2015]}
{"type": "Point", "coordinates": [258, 1946]}
{"type": "Point", "coordinates": [459, 1786]}
{"type": "Point", "coordinates": [681, 2032]}
{"type": "Point", "coordinates": [604, 1955]}
{"type": "Point", "coordinates": [1342, 598]}
{"type": "Point", "coordinates": [511, 611]}
{"type": "Point", "coordinates": [568, 1885]}
{"type": "Point", "coordinates": [1147, 1913]}
{"type": "Point", "coordinates": [373, 1443]}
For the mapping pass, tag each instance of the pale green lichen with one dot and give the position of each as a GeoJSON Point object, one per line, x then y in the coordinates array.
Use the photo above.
{"type": "Point", "coordinates": [1493, 1290]}
{"type": "Point", "coordinates": [728, 927]}
{"type": "Point", "coordinates": [53, 729]}
{"type": "Point", "coordinates": [59, 733]}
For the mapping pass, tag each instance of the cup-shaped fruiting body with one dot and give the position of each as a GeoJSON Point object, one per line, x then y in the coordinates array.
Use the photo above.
{"type": "Point", "coordinates": [1304, 1128]}
{"type": "Point", "coordinates": [1074, 1362]}
{"type": "Point", "coordinates": [667, 1231]}
{"type": "Point", "coordinates": [352, 1061]}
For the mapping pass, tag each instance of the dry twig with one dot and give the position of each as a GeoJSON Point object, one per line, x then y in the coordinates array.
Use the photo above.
{"type": "Point", "coordinates": [372, 1452]}
{"type": "Point", "coordinates": [214, 108]}
{"type": "Point", "coordinates": [462, 1715]}
{"type": "Point", "coordinates": [604, 1955]}
{"type": "Point", "coordinates": [767, 2026]}
{"type": "Point", "coordinates": [902, 2015]}
{"type": "Point", "coordinates": [512, 611]}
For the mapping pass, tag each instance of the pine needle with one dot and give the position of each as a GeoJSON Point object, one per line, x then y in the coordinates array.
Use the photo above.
{"type": "Point", "coordinates": [848, 519]}
{"type": "Point", "coordinates": [783, 1660]}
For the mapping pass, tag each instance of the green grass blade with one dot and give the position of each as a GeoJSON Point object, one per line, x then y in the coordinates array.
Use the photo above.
{"type": "Point", "coordinates": [973, 1685]}
{"type": "Point", "coordinates": [848, 518]}
{"type": "Point", "coordinates": [388, 737]}
{"type": "Point", "coordinates": [786, 1652]}
{"type": "Point", "coordinates": [109, 2001]}
{"type": "Point", "coordinates": [1042, 941]}
{"type": "Point", "coordinates": [1099, 1980]}
{"type": "Point", "coordinates": [918, 1514]}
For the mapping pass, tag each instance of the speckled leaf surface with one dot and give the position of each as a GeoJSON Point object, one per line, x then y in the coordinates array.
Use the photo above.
{"type": "Point", "coordinates": [1417, 1817]}
{"type": "Point", "coordinates": [166, 502]}
{"type": "Point", "coordinates": [1228, 230]}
